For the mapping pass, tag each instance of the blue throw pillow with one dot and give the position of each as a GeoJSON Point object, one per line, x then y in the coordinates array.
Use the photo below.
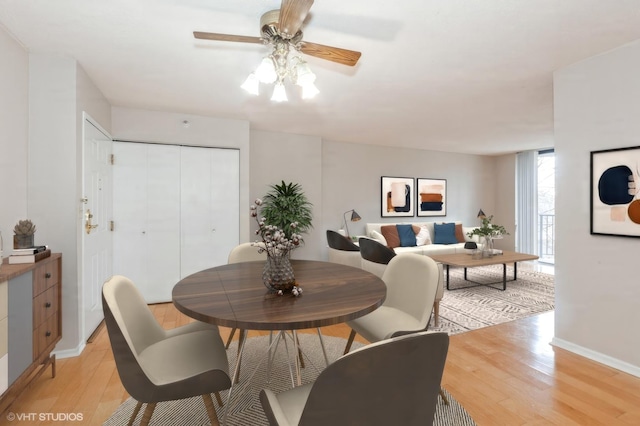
{"type": "Point", "coordinates": [407, 236]}
{"type": "Point", "coordinates": [445, 233]}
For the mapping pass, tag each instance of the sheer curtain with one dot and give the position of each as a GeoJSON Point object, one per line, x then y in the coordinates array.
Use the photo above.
{"type": "Point", "coordinates": [526, 201]}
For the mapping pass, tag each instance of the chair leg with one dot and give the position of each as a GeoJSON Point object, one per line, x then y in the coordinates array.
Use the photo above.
{"type": "Point", "coordinates": [211, 409]}
{"type": "Point", "coordinates": [444, 397]}
{"type": "Point", "coordinates": [148, 412]}
{"type": "Point", "coordinates": [135, 413]}
{"type": "Point", "coordinates": [436, 312]}
{"type": "Point", "coordinates": [233, 331]}
{"type": "Point", "coordinates": [352, 336]}
{"type": "Point", "coordinates": [219, 399]}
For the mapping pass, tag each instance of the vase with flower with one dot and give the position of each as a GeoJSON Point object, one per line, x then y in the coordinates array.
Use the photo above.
{"type": "Point", "coordinates": [277, 274]}
{"type": "Point", "coordinates": [488, 232]}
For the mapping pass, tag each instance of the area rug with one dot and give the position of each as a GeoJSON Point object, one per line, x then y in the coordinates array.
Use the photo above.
{"type": "Point", "coordinates": [245, 408]}
{"type": "Point", "coordinates": [476, 307]}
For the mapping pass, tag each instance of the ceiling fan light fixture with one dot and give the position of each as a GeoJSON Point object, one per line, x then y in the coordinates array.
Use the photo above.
{"type": "Point", "coordinates": [266, 71]}
{"type": "Point", "coordinates": [303, 72]}
{"type": "Point", "coordinates": [252, 84]}
{"type": "Point", "coordinates": [309, 91]}
{"type": "Point", "coordinates": [279, 93]}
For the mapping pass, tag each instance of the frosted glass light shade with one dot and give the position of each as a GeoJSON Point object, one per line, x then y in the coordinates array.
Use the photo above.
{"type": "Point", "coordinates": [266, 71]}
{"type": "Point", "coordinates": [252, 84]}
{"type": "Point", "coordinates": [309, 91]}
{"type": "Point", "coordinates": [304, 74]}
{"type": "Point", "coordinates": [279, 94]}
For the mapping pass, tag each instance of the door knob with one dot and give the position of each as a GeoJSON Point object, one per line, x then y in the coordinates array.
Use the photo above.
{"type": "Point", "coordinates": [87, 225]}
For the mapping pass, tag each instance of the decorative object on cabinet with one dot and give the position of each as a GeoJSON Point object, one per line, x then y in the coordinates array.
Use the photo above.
{"type": "Point", "coordinates": [615, 185]}
{"type": "Point", "coordinates": [396, 196]}
{"type": "Point", "coordinates": [23, 234]}
{"type": "Point", "coordinates": [35, 322]}
{"type": "Point", "coordinates": [432, 197]}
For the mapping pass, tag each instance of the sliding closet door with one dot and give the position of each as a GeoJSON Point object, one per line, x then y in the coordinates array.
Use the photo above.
{"type": "Point", "coordinates": [146, 211]}
{"type": "Point", "coordinates": [210, 182]}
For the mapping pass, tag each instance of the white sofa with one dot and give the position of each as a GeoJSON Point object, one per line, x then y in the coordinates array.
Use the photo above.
{"type": "Point", "coordinates": [427, 249]}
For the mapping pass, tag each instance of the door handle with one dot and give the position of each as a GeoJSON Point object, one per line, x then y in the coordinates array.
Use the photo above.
{"type": "Point", "coordinates": [87, 225]}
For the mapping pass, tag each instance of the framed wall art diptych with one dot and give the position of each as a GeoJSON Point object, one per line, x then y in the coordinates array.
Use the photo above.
{"type": "Point", "coordinates": [615, 199]}
{"type": "Point", "coordinates": [431, 196]}
{"type": "Point", "coordinates": [397, 196]}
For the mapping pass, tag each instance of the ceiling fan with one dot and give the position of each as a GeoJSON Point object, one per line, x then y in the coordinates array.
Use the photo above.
{"type": "Point", "coordinates": [283, 26]}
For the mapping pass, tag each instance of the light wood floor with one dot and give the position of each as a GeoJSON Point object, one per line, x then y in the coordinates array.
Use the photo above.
{"type": "Point", "coordinates": [503, 375]}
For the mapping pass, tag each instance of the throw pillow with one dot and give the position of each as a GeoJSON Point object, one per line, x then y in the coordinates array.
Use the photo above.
{"type": "Point", "coordinates": [423, 238]}
{"type": "Point", "coordinates": [445, 233]}
{"type": "Point", "coordinates": [390, 233]}
{"type": "Point", "coordinates": [407, 236]}
{"type": "Point", "coordinates": [459, 233]}
{"type": "Point", "coordinates": [378, 237]}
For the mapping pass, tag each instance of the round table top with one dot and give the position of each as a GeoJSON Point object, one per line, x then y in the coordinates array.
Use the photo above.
{"type": "Point", "coordinates": [233, 295]}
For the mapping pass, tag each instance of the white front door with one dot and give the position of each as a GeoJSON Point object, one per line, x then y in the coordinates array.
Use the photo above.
{"type": "Point", "coordinates": [96, 205]}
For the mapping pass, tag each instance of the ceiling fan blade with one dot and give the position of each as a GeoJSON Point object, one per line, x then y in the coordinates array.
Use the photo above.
{"type": "Point", "coordinates": [227, 37]}
{"type": "Point", "coordinates": [292, 15]}
{"type": "Point", "coordinates": [334, 54]}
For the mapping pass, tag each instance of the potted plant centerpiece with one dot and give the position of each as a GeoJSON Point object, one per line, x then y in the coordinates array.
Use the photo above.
{"type": "Point", "coordinates": [285, 214]}
{"type": "Point", "coordinates": [488, 231]}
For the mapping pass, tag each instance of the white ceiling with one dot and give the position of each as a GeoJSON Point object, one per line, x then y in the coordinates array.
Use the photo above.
{"type": "Point", "coordinates": [469, 76]}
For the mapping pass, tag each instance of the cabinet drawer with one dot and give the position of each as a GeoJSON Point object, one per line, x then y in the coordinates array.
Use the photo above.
{"type": "Point", "coordinates": [45, 305]}
{"type": "Point", "coordinates": [45, 276]}
{"type": "Point", "coordinates": [46, 334]}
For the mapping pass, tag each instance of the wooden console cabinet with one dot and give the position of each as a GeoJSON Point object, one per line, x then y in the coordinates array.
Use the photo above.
{"type": "Point", "coordinates": [34, 319]}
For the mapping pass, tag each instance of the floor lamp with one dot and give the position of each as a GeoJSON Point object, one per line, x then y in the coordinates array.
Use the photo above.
{"type": "Point", "coordinates": [354, 218]}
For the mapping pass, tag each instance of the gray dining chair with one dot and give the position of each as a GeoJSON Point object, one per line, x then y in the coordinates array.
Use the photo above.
{"type": "Point", "coordinates": [155, 364]}
{"type": "Point", "coordinates": [392, 382]}
{"type": "Point", "coordinates": [412, 282]}
{"type": "Point", "coordinates": [245, 252]}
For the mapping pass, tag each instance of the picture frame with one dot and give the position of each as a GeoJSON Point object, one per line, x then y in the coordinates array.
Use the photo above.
{"type": "Point", "coordinates": [431, 197]}
{"type": "Point", "coordinates": [397, 196]}
{"type": "Point", "coordinates": [614, 185]}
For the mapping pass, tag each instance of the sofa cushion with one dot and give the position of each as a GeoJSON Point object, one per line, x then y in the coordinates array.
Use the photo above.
{"type": "Point", "coordinates": [445, 233]}
{"type": "Point", "coordinates": [459, 233]}
{"type": "Point", "coordinates": [378, 237]}
{"type": "Point", "coordinates": [390, 233]}
{"type": "Point", "coordinates": [406, 235]}
{"type": "Point", "coordinates": [423, 237]}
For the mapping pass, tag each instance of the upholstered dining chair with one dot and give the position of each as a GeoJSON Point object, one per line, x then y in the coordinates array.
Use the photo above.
{"type": "Point", "coordinates": [155, 364]}
{"type": "Point", "coordinates": [412, 281]}
{"type": "Point", "coordinates": [245, 252]}
{"type": "Point", "coordinates": [375, 257]}
{"type": "Point", "coordinates": [342, 250]}
{"type": "Point", "coordinates": [392, 382]}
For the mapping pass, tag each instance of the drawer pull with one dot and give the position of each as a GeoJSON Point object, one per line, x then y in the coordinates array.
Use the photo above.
{"type": "Point", "coordinates": [47, 305]}
{"type": "Point", "coordinates": [47, 275]}
{"type": "Point", "coordinates": [47, 334]}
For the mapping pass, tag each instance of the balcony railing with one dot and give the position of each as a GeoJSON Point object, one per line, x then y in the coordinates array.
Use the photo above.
{"type": "Point", "coordinates": [546, 237]}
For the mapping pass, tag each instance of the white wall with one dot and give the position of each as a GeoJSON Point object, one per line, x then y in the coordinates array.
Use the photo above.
{"type": "Point", "coordinates": [597, 106]}
{"type": "Point", "coordinates": [277, 157]}
{"type": "Point", "coordinates": [351, 180]}
{"type": "Point", "coordinates": [14, 122]}
{"type": "Point", "coordinates": [505, 206]}
{"type": "Point", "coordinates": [59, 92]}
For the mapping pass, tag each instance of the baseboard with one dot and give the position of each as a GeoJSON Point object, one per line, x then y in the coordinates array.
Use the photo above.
{"type": "Point", "coordinates": [634, 370]}
{"type": "Point", "coordinates": [69, 353]}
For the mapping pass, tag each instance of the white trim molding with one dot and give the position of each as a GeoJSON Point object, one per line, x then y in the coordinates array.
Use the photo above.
{"type": "Point", "coordinates": [634, 370]}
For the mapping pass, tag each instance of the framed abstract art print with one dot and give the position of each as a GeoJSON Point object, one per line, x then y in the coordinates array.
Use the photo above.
{"type": "Point", "coordinates": [431, 196]}
{"type": "Point", "coordinates": [396, 196]}
{"type": "Point", "coordinates": [615, 203]}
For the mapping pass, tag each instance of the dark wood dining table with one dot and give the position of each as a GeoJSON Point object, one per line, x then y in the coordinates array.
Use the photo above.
{"type": "Point", "coordinates": [234, 295]}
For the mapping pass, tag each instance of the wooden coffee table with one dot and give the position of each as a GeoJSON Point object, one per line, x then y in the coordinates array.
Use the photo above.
{"type": "Point", "coordinates": [465, 260]}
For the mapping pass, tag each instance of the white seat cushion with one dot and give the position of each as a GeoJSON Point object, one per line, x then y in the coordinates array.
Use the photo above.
{"type": "Point", "coordinates": [288, 406]}
{"type": "Point", "coordinates": [384, 321]}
